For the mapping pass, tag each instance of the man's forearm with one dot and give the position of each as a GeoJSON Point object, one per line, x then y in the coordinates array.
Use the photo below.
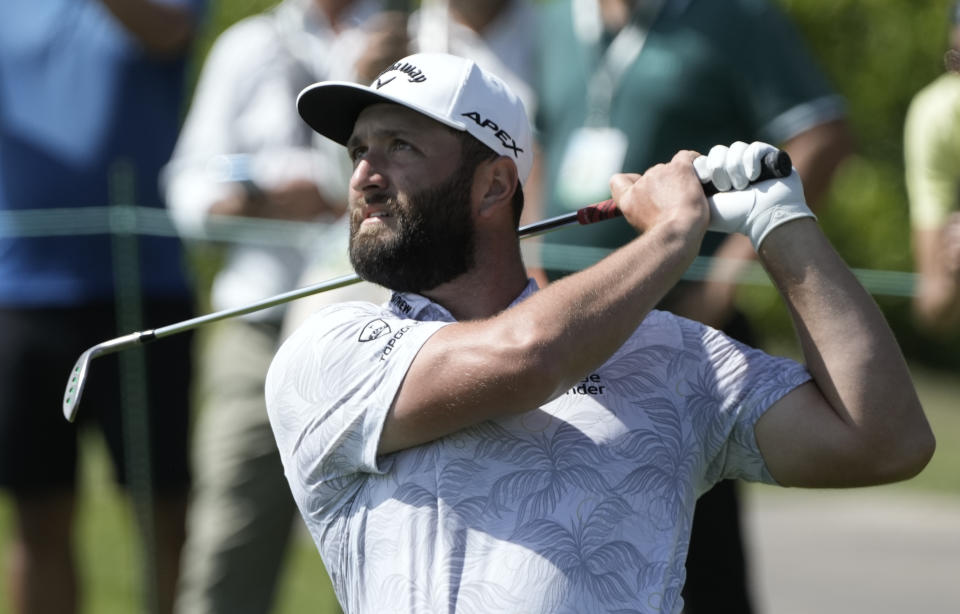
{"type": "Point", "coordinates": [596, 310]}
{"type": "Point", "coordinates": [849, 349]}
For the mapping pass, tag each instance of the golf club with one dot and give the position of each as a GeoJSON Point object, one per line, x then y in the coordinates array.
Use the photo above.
{"type": "Point", "coordinates": [775, 164]}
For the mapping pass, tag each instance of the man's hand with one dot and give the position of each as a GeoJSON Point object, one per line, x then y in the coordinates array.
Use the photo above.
{"type": "Point", "coordinates": [950, 239]}
{"type": "Point", "coordinates": [665, 193]}
{"type": "Point", "coordinates": [756, 211]}
{"type": "Point", "coordinates": [297, 200]}
{"type": "Point", "coordinates": [937, 256]}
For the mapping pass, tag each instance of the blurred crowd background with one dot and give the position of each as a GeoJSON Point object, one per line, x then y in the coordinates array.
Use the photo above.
{"type": "Point", "coordinates": [877, 55]}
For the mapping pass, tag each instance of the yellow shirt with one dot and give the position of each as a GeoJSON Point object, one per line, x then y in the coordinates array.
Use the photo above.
{"type": "Point", "coordinates": [932, 152]}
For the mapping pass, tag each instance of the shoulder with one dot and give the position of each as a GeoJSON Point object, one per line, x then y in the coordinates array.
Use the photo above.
{"type": "Point", "coordinates": [361, 319]}
{"type": "Point", "coordinates": [339, 335]}
{"type": "Point", "coordinates": [324, 346]}
{"type": "Point", "coordinates": [933, 116]}
{"type": "Point", "coordinates": [940, 95]}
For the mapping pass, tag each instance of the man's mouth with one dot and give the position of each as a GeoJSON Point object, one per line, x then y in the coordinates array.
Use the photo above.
{"type": "Point", "coordinates": [374, 217]}
{"type": "Point", "coordinates": [372, 209]}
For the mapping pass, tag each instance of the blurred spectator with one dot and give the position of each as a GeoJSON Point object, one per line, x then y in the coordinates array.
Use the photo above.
{"type": "Point", "coordinates": [91, 93]}
{"type": "Point", "coordinates": [932, 162]}
{"type": "Point", "coordinates": [244, 151]}
{"type": "Point", "coordinates": [496, 34]}
{"type": "Point", "coordinates": [623, 85]}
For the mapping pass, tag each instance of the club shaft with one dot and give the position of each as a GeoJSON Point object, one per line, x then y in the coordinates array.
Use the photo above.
{"type": "Point", "coordinates": [273, 301]}
{"type": "Point", "coordinates": [78, 376]}
{"type": "Point", "coordinates": [331, 284]}
{"type": "Point", "coordinates": [545, 226]}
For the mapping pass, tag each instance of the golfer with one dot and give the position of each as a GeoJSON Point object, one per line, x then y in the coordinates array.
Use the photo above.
{"type": "Point", "coordinates": [479, 445]}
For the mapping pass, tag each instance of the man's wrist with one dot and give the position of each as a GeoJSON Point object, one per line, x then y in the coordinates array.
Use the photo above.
{"type": "Point", "coordinates": [774, 217]}
{"type": "Point", "coordinates": [789, 243]}
{"type": "Point", "coordinates": [777, 202]}
{"type": "Point", "coordinates": [680, 233]}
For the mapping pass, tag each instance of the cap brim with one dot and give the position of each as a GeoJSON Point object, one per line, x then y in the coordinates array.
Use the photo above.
{"type": "Point", "coordinates": [332, 108]}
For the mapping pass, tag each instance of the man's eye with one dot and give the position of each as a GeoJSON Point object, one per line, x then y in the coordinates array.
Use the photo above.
{"type": "Point", "coordinates": [399, 145]}
{"type": "Point", "coordinates": [357, 152]}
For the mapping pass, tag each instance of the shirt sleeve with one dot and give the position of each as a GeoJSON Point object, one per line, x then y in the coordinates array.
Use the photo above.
{"type": "Point", "coordinates": [737, 385]}
{"type": "Point", "coordinates": [329, 390]}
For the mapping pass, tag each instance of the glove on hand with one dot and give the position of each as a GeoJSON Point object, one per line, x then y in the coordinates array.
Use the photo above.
{"type": "Point", "coordinates": [752, 210]}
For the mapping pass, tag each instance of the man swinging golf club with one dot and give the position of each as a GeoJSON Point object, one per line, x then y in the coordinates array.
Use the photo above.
{"type": "Point", "coordinates": [478, 445]}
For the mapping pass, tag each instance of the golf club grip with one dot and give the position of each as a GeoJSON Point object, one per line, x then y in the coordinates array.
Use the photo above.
{"type": "Point", "coordinates": [774, 165]}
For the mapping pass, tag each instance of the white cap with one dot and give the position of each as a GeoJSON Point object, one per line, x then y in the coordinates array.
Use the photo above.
{"type": "Point", "coordinates": [452, 90]}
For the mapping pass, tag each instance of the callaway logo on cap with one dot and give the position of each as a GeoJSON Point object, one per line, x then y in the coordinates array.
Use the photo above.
{"type": "Point", "coordinates": [450, 89]}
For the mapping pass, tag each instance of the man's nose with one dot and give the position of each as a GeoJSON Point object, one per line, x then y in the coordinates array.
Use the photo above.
{"type": "Point", "coordinates": [368, 174]}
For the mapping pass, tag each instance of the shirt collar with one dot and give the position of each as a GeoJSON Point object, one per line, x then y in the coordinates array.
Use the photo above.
{"type": "Point", "coordinates": [418, 307]}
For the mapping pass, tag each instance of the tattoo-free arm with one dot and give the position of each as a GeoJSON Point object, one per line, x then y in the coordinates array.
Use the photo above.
{"type": "Point", "coordinates": [859, 422]}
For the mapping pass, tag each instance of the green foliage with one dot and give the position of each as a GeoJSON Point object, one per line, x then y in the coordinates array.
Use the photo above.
{"type": "Point", "coordinates": [877, 54]}
{"type": "Point", "coordinates": [109, 554]}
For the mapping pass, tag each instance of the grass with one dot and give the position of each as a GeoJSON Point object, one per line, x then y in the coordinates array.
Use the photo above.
{"type": "Point", "coordinates": [108, 551]}
{"type": "Point", "coordinates": [109, 554]}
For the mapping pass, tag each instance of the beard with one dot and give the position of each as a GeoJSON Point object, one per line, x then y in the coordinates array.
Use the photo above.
{"type": "Point", "coordinates": [432, 243]}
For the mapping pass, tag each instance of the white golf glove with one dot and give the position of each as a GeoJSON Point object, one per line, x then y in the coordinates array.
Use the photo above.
{"type": "Point", "coordinates": [752, 210]}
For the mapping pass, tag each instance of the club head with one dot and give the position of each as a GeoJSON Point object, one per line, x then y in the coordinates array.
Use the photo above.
{"type": "Point", "coordinates": [78, 376]}
{"type": "Point", "coordinates": [75, 383]}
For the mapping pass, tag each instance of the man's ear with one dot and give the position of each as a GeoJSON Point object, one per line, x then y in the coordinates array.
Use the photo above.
{"type": "Point", "coordinates": [496, 180]}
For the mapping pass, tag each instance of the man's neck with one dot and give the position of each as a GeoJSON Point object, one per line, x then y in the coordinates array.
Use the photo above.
{"type": "Point", "coordinates": [482, 292]}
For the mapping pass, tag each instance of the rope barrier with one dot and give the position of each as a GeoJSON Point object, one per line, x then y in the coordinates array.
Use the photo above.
{"type": "Point", "coordinates": [576, 257]}
{"type": "Point", "coordinates": [151, 221]}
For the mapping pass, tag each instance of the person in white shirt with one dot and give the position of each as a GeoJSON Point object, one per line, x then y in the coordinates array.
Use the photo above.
{"type": "Point", "coordinates": [478, 445]}
{"type": "Point", "coordinates": [244, 152]}
{"type": "Point", "coordinates": [499, 35]}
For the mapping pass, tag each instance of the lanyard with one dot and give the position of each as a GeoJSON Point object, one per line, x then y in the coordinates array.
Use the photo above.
{"type": "Point", "coordinates": [612, 64]}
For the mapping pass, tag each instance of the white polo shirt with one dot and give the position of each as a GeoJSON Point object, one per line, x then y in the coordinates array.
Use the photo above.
{"type": "Point", "coordinates": [582, 505]}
